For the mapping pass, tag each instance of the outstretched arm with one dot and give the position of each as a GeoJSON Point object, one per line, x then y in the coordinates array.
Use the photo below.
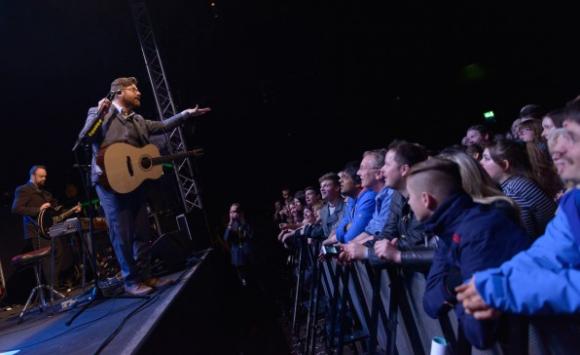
{"type": "Point", "coordinates": [159, 126]}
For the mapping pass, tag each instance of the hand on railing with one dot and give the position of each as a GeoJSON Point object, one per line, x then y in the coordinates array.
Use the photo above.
{"type": "Point", "coordinates": [353, 251]}
{"type": "Point", "coordinates": [387, 250]}
{"type": "Point", "coordinates": [474, 303]}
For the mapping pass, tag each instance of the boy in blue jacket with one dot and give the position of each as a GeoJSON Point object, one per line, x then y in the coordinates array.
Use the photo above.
{"type": "Point", "coordinates": [472, 237]}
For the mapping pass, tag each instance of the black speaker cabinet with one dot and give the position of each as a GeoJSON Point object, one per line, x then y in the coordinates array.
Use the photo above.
{"type": "Point", "coordinates": [171, 250]}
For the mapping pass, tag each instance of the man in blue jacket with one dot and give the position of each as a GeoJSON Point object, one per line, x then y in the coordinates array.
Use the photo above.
{"type": "Point", "coordinates": [472, 237]}
{"type": "Point", "coordinates": [360, 206]}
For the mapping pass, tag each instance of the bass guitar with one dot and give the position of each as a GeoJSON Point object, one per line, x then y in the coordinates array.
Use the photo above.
{"type": "Point", "coordinates": [49, 216]}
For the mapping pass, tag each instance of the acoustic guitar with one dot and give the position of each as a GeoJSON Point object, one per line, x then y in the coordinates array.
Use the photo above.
{"type": "Point", "coordinates": [126, 167]}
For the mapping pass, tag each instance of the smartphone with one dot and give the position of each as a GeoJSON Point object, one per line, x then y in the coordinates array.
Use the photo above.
{"type": "Point", "coordinates": [329, 250]}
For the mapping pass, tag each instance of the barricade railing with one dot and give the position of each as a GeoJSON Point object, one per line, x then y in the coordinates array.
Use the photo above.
{"type": "Point", "coordinates": [378, 309]}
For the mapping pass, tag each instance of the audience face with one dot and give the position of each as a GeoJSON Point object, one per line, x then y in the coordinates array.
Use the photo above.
{"type": "Point", "coordinates": [516, 127]}
{"type": "Point", "coordinates": [235, 213]}
{"type": "Point", "coordinates": [311, 197]}
{"type": "Point", "coordinates": [526, 134]}
{"type": "Point", "coordinates": [496, 172]}
{"type": "Point", "coordinates": [297, 205]}
{"type": "Point", "coordinates": [418, 202]}
{"type": "Point", "coordinates": [548, 126]}
{"type": "Point", "coordinates": [309, 216]}
{"type": "Point", "coordinates": [566, 153]}
{"type": "Point", "coordinates": [369, 174]}
{"type": "Point", "coordinates": [347, 184]}
{"type": "Point", "coordinates": [474, 137]}
{"type": "Point", "coordinates": [329, 191]}
{"type": "Point", "coordinates": [391, 171]}
{"type": "Point", "coordinates": [285, 194]}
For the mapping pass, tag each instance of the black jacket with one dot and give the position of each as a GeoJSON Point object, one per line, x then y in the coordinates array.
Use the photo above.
{"type": "Point", "coordinates": [27, 201]}
{"type": "Point", "coordinates": [402, 224]}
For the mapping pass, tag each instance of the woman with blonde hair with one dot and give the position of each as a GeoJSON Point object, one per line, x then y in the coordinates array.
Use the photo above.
{"type": "Point", "coordinates": [477, 183]}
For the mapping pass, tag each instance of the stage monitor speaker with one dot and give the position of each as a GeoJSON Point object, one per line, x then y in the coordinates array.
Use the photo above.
{"type": "Point", "coordinates": [170, 252]}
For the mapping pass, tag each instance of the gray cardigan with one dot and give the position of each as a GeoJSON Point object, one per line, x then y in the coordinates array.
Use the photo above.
{"type": "Point", "coordinates": [133, 129]}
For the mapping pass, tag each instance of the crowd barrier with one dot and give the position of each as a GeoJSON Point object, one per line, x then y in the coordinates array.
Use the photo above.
{"type": "Point", "coordinates": [377, 309]}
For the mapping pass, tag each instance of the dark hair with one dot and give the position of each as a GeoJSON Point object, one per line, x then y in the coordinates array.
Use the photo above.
{"type": "Point", "coordinates": [572, 111]}
{"type": "Point", "coordinates": [531, 110]}
{"type": "Point", "coordinates": [543, 169]}
{"type": "Point", "coordinates": [329, 176]}
{"type": "Point", "coordinates": [310, 188]}
{"type": "Point", "coordinates": [34, 168]}
{"type": "Point", "coordinates": [351, 169]}
{"type": "Point", "coordinates": [445, 172]}
{"type": "Point", "coordinates": [299, 195]}
{"type": "Point", "coordinates": [483, 129]}
{"type": "Point", "coordinates": [526, 159]}
{"type": "Point", "coordinates": [515, 153]}
{"type": "Point", "coordinates": [408, 153]}
{"type": "Point", "coordinates": [121, 83]}
{"type": "Point", "coordinates": [534, 125]}
{"type": "Point", "coordinates": [557, 117]}
{"type": "Point", "coordinates": [474, 149]}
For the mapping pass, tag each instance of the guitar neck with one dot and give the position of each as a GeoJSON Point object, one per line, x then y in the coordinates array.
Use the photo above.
{"type": "Point", "coordinates": [65, 215]}
{"type": "Point", "coordinates": [172, 157]}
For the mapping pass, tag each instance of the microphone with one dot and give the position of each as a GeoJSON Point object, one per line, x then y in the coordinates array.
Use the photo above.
{"type": "Point", "coordinates": [91, 128]}
{"type": "Point", "coordinates": [99, 117]}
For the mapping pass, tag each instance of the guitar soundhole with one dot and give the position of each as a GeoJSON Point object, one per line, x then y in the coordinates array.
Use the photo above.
{"type": "Point", "coordinates": [146, 163]}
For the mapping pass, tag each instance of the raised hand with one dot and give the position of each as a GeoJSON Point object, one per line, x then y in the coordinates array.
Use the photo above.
{"type": "Point", "coordinates": [104, 105]}
{"type": "Point", "coordinates": [196, 111]}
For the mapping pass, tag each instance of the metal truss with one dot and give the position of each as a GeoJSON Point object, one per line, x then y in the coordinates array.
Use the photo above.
{"type": "Point", "coordinates": [165, 107]}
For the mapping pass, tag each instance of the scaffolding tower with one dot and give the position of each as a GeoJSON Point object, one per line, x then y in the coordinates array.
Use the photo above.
{"type": "Point", "coordinates": [183, 169]}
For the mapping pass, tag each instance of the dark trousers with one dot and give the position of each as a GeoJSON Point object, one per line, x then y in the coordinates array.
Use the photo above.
{"type": "Point", "coordinates": [126, 216]}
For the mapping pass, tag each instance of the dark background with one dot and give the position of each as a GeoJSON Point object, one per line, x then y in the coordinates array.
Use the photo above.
{"type": "Point", "coordinates": [297, 88]}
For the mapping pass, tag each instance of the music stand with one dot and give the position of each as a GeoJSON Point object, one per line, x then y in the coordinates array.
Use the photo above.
{"type": "Point", "coordinates": [85, 169]}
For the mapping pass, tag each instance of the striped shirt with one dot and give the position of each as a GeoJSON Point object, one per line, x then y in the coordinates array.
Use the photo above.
{"type": "Point", "coordinates": [536, 208]}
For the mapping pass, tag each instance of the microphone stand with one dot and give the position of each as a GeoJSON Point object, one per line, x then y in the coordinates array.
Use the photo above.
{"type": "Point", "coordinates": [96, 293]}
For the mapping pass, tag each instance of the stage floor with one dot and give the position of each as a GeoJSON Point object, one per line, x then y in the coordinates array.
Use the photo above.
{"type": "Point", "coordinates": [126, 322]}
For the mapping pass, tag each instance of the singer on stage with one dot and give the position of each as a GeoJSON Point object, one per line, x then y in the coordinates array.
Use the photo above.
{"type": "Point", "coordinates": [126, 214]}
